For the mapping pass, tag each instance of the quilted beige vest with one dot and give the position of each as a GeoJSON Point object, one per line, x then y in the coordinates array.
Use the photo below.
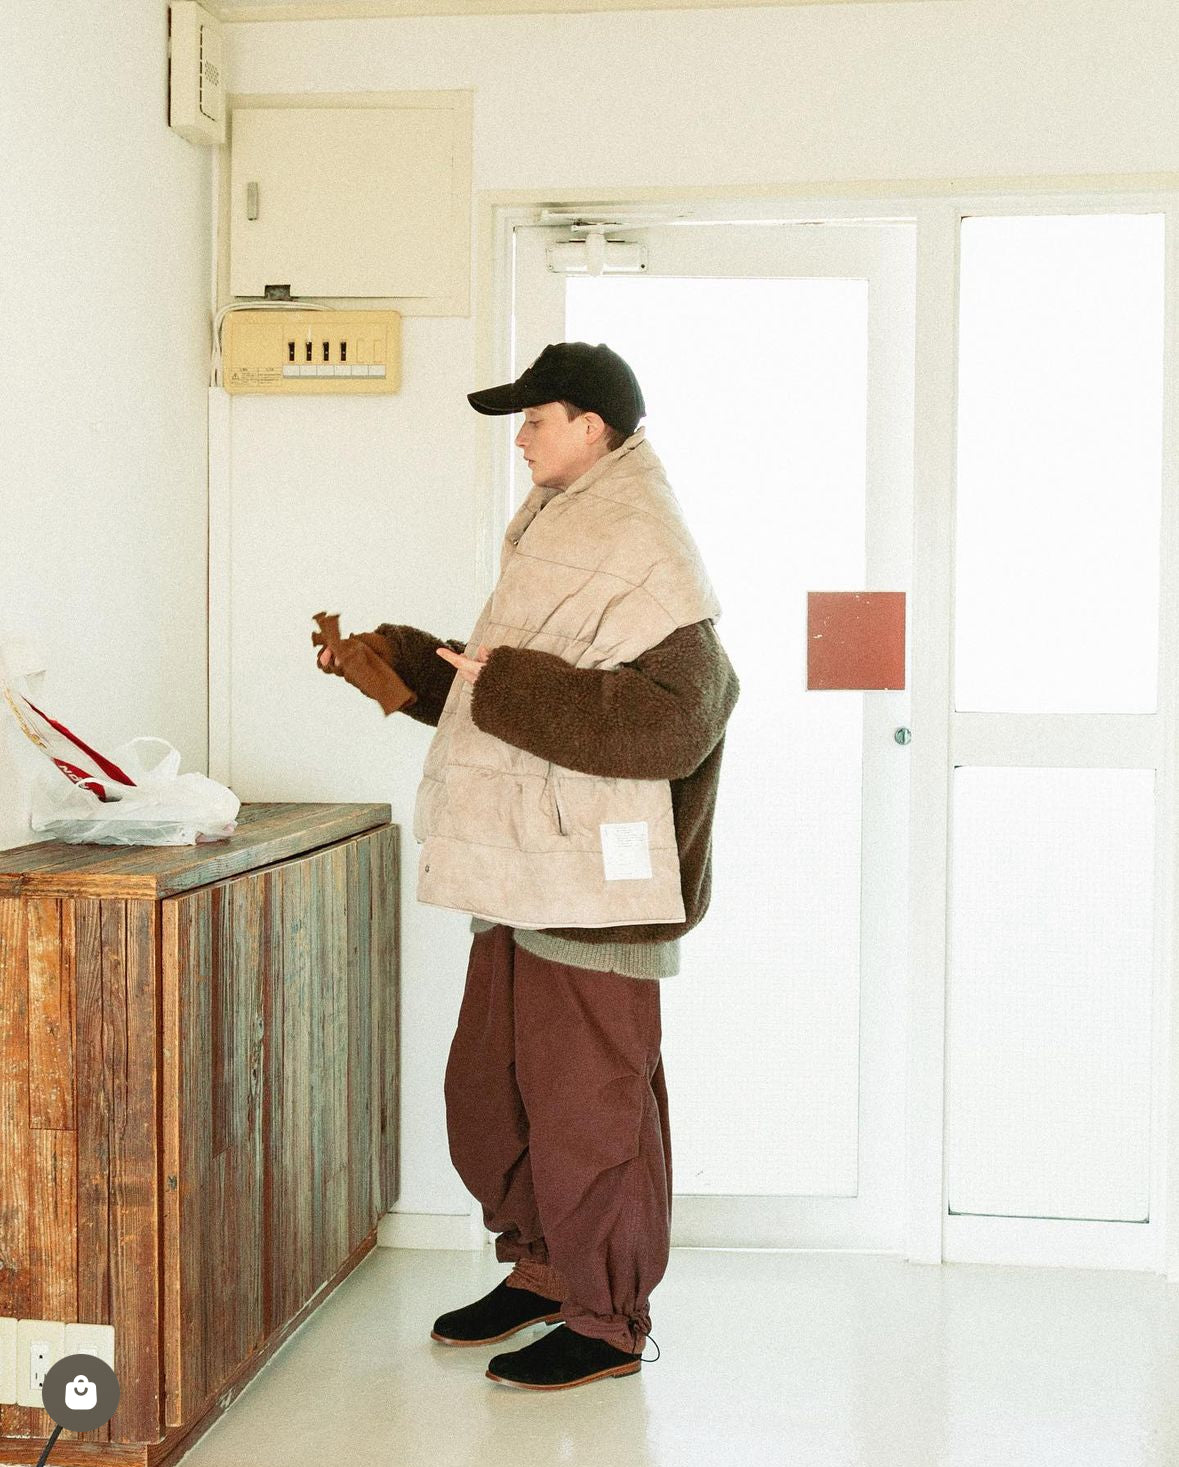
{"type": "Point", "coordinates": [596, 573]}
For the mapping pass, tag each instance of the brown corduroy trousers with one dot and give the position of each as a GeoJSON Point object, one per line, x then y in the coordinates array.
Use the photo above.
{"type": "Point", "coordinates": [556, 1111]}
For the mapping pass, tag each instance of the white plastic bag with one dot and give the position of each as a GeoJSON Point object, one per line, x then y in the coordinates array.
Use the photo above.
{"type": "Point", "coordinates": [135, 798]}
{"type": "Point", "coordinates": [163, 809]}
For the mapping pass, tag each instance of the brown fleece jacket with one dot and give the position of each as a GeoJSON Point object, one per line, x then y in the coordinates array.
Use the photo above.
{"type": "Point", "coordinates": [661, 716]}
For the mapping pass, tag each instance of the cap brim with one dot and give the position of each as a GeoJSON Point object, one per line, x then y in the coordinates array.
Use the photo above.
{"type": "Point", "coordinates": [513, 397]}
{"type": "Point", "coordinates": [495, 399]}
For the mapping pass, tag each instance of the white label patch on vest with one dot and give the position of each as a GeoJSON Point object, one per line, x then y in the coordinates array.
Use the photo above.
{"type": "Point", "coordinates": [626, 853]}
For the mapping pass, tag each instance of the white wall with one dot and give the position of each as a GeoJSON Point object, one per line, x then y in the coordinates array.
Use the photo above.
{"type": "Point", "coordinates": [366, 506]}
{"type": "Point", "coordinates": [104, 288]}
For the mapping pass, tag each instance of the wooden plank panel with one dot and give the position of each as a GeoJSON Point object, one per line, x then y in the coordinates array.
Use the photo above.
{"type": "Point", "coordinates": [187, 960]}
{"type": "Point", "coordinates": [220, 1002]}
{"type": "Point", "coordinates": [321, 1060]}
{"type": "Point", "coordinates": [330, 1063]}
{"type": "Point", "coordinates": [295, 1236]}
{"type": "Point", "coordinates": [273, 1111]}
{"type": "Point", "coordinates": [53, 1223]}
{"type": "Point", "coordinates": [337, 1239]}
{"type": "Point", "coordinates": [234, 1261]}
{"type": "Point", "coordinates": [131, 1012]}
{"type": "Point", "coordinates": [377, 979]}
{"type": "Point", "coordinates": [53, 1241]}
{"type": "Point", "coordinates": [67, 1146]}
{"type": "Point", "coordinates": [249, 970]}
{"type": "Point", "coordinates": [361, 1151]}
{"type": "Point", "coordinates": [51, 1190]}
{"type": "Point", "coordinates": [51, 1019]}
{"type": "Point", "coordinates": [390, 838]}
{"type": "Point", "coordinates": [174, 919]}
{"type": "Point", "coordinates": [377, 1021]}
{"type": "Point", "coordinates": [216, 1272]}
{"type": "Point", "coordinates": [197, 1297]}
{"type": "Point", "coordinates": [385, 918]}
{"type": "Point", "coordinates": [111, 1075]}
{"type": "Point", "coordinates": [316, 872]}
{"type": "Point", "coordinates": [92, 1130]}
{"type": "Point", "coordinates": [15, 1136]}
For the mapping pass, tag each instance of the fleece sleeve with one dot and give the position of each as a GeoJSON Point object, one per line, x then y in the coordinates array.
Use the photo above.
{"type": "Point", "coordinates": [413, 656]}
{"type": "Point", "coordinates": [657, 717]}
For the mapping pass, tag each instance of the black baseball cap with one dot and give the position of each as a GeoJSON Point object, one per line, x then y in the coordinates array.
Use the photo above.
{"type": "Point", "coordinates": [593, 377]}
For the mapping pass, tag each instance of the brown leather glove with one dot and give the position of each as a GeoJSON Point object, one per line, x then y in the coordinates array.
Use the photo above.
{"type": "Point", "coordinates": [375, 640]}
{"type": "Point", "coordinates": [362, 660]}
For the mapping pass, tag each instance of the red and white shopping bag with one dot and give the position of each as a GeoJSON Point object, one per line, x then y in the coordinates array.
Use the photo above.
{"type": "Point", "coordinates": [83, 796]}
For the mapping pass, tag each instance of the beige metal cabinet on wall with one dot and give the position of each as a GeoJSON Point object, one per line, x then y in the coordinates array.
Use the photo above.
{"type": "Point", "coordinates": [362, 196]}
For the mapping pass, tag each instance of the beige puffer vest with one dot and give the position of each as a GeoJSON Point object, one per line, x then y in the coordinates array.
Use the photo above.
{"type": "Point", "coordinates": [597, 574]}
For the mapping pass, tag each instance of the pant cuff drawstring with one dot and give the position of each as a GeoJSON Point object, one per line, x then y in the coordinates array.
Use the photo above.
{"type": "Point", "coordinates": [634, 1330]}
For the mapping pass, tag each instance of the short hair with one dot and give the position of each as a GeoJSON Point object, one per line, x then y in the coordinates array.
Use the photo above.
{"type": "Point", "coordinates": [615, 437]}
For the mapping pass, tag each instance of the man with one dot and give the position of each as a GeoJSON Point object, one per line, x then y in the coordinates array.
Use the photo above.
{"type": "Point", "coordinates": [566, 802]}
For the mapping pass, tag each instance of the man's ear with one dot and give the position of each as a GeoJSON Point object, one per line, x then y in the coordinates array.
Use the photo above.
{"type": "Point", "coordinates": [595, 426]}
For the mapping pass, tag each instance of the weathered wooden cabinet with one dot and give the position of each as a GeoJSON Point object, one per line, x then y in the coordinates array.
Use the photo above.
{"type": "Point", "coordinates": [198, 1101]}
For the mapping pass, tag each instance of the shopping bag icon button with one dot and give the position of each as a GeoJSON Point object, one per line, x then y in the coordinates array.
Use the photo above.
{"type": "Point", "coordinates": [81, 1394]}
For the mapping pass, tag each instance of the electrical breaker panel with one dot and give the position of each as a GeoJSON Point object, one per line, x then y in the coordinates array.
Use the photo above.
{"type": "Point", "coordinates": [280, 350]}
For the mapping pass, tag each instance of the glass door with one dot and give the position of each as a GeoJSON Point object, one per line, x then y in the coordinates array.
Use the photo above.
{"type": "Point", "coordinates": [776, 361]}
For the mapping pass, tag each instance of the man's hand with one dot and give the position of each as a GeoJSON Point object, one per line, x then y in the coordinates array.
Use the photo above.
{"type": "Point", "coordinates": [467, 667]}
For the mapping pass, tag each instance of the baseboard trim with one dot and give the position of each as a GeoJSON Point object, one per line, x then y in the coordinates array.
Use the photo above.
{"type": "Point", "coordinates": [431, 1230]}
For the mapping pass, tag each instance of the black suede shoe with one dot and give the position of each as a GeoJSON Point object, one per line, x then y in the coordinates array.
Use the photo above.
{"type": "Point", "coordinates": [494, 1317]}
{"type": "Point", "coordinates": [560, 1359]}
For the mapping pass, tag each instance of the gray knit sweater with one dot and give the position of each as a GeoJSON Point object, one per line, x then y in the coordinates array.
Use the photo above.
{"type": "Point", "coordinates": [633, 959]}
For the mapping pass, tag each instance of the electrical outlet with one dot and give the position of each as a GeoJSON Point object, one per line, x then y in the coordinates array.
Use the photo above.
{"type": "Point", "coordinates": [91, 1339]}
{"type": "Point", "coordinates": [7, 1362]}
{"type": "Point", "coordinates": [39, 1342]}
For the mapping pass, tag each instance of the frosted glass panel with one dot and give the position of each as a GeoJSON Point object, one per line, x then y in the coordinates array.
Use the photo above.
{"type": "Point", "coordinates": [1049, 1059]}
{"type": "Point", "coordinates": [1059, 464]}
{"type": "Point", "coordinates": [756, 393]}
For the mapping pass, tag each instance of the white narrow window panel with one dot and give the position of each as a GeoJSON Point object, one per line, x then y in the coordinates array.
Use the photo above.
{"type": "Point", "coordinates": [1049, 993]}
{"type": "Point", "coordinates": [351, 201]}
{"type": "Point", "coordinates": [1059, 475]}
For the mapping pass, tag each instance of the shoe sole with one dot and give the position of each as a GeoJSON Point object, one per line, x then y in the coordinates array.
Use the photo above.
{"type": "Point", "coordinates": [495, 1339]}
{"type": "Point", "coordinates": [523, 1385]}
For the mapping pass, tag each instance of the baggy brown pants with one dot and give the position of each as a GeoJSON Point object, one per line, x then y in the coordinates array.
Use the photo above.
{"type": "Point", "coordinates": [556, 1110]}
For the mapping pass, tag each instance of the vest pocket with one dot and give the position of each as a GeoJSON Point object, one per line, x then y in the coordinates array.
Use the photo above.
{"type": "Point", "coordinates": [554, 802]}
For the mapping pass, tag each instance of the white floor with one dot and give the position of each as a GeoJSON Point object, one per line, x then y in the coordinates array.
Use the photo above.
{"type": "Point", "coordinates": [808, 1359]}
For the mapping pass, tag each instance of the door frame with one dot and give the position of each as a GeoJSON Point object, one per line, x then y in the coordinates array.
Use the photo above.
{"type": "Point", "coordinates": [936, 209]}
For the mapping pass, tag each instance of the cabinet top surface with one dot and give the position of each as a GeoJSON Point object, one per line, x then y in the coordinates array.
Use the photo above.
{"type": "Point", "coordinates": [265, 833]}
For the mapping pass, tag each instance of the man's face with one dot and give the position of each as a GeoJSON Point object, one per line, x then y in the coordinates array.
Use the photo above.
{"type": "Point", "coordinates": [558, 449]}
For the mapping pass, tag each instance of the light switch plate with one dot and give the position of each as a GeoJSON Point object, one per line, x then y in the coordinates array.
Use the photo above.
{"type": "Point", "coordinates": [7, 1362]}
{"type": "Point", "coordinates": [91, 1339]}
{"type": "Point", "coordinates": [40, 1339]}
